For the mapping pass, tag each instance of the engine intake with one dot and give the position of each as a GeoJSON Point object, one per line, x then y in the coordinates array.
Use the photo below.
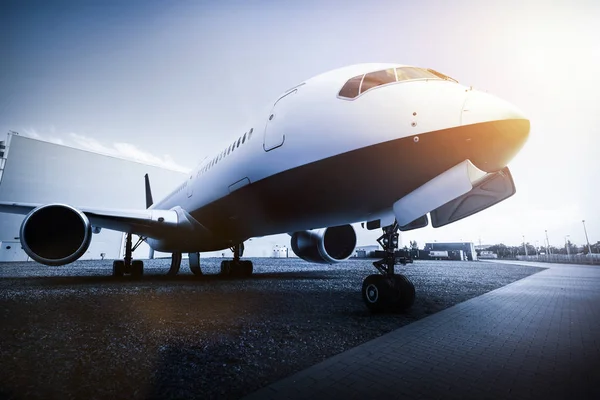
{"type": "Point", "coordinates": [325, 246]}
{"type": "Point", "coordinates": [56, 234]}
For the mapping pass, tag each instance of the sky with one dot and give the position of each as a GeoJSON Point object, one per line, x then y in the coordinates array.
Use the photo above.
{"type": "Point", "coordinates": [170, 82]}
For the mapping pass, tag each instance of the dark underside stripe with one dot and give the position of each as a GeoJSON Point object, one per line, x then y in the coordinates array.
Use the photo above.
{"type": "Point", "coordinates": [347, 187]}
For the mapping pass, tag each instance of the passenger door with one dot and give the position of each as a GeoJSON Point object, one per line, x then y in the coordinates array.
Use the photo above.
{"type": "Point", "coordinates": [190, 186]}
{"type": "Point", "coordinates": [275, 129]}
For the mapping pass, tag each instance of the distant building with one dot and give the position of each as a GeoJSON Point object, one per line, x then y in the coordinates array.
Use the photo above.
{"type": "Point", "coordinates": [366, 251]}
{"type": "Point", "coordinates": [453, 250]}
{"type": "Point", "coordinates": [487, 254]}
{"type": "Point", "coordinates": [34, 171]}
{"type": "Point", "coordinates": [280, 252]}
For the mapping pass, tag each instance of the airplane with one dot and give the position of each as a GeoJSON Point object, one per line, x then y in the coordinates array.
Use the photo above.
{"type": "Point", "coordinates": [383, 144]}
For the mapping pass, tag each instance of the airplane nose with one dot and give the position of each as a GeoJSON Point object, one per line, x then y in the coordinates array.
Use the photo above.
{"type": "Point", "coordinates": [483, 107]}
{"type": "Point", "coordinates": [495, 129]}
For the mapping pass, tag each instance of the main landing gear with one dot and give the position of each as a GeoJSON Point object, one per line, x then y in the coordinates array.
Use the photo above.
{"type": "Point", "coordinates": [194, 260]}
{"type": "Point", "coordinates": [236, 267]}
{"type": "Point", "coordinates": [128, 265]}
{"type": "Point", "coordinates": [388, 291]}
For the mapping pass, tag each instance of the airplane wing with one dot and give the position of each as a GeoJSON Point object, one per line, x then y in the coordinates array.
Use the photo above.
{"type": "Point", "coordinates": [157, 224]}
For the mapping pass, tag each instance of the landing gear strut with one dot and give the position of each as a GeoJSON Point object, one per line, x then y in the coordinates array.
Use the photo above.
{"type": "Point", "coordinates": [128, 265]}
{"type": "Point", "coordinates": [236, 267]}
{"type": "Point", "coordinates": [175, 264]}
{"type": "Point", "coordinates": [388, 291]}
{"type": "Point", "coordinates": [194, 259]}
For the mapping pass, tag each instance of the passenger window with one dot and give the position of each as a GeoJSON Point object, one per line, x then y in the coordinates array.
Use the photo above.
{"type": "Point", "coordinates": [351, 87]}
{"type": "Point", "coordinates": [250, 133]}
{"type": "Point", "coordinates": [244, 138]}
{"type": "Point", "coordinates": [377, 79]}
{"type": "Point", "coordinates": [238, 142]}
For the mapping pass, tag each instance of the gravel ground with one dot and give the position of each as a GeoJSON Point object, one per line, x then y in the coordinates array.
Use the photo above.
{"type": "Point", "coordinates": [74, 332]}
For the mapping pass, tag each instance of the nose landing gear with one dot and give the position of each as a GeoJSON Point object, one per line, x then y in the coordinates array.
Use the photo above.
{"type": "Point", "coordinates": [388, 291]}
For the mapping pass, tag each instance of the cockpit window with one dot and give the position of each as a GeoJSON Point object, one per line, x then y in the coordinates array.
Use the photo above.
{"type": "Point", "coordinates": [351, 87]}
{"type": "Point", "coordinates": [359, 85]}
{"type": "Point", "coordinates": [377, 78]}
{"type": "Point", "coordinates": [407, 73]}
{"type": "Point", "coordinates": [440, 75]}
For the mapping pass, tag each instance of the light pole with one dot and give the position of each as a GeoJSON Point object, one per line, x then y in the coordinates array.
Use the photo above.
{"type": "Point", "coordinates": [548, 242]}
{"type": "Point", "coordinates": [586, 237]}
{"type": "Point", "coordinates": [525, 246]}
{"type": "Point", "coordinates": [567, 246]}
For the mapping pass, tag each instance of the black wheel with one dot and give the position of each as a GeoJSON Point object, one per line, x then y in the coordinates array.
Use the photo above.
{"type": "Point", "coordinates": [175, 264]}
{"type": "Point", "coordinates": [226, 267]}
{"type": "Point", "coordinates": [137, 268]}
{"type": "Point", "coordinates": [402, 293]}
{"type": "Point", "coordinates": [118, 268]}
{"type": "Point", "coordinates": [194, 260]}
{"type": "Point", "coordinates": [408, 291]}
{"type": "Point", "coordinates": [375, 293]}
{"type": "Point", "coordinates": [246, 268]}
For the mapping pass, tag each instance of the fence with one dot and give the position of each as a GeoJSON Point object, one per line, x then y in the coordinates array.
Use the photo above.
{"type": "Point", "coordinates": [564, 259]}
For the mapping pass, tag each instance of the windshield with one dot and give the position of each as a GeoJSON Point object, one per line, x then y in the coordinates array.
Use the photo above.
{"type": "Point", "coordinates": [361, 83]}
{"type": "Point", "coordinates": [408, 73]}
{"type": "Point", "coordinates": [378, 78]}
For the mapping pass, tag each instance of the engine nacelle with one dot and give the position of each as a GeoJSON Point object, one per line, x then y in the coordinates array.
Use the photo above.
{"type": "Point", "coordinates": [56, 234]}
{"type": "Point", "coordinates": [325, 246]}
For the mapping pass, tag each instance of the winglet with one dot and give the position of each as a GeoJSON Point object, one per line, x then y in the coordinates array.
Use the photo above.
{"type": "Point", "coordinates": [149, 200]}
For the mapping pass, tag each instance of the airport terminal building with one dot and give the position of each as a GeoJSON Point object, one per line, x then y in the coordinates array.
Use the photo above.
{"type": "Point", "coordinates": [34, 171]}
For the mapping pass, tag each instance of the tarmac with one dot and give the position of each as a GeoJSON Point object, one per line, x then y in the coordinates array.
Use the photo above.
{"type": "Point", "coordinates": [535, 338]}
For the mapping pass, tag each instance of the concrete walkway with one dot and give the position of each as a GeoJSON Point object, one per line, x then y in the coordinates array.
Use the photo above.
{"type": "Point", "coordinates": [537, 338]}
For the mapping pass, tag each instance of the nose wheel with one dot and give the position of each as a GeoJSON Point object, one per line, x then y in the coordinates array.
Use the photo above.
{"type": "Point", "coordinates": [388, 291]}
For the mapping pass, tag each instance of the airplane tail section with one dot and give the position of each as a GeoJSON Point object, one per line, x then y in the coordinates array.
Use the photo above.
{"type": "Point", "coordinates": [149, 200]}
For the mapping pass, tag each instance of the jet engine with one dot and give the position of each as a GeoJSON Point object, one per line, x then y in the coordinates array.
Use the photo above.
{"type": "Point", "coordinates": [55, 234]}
{"type": "Point", "coordinates": [325, 246]}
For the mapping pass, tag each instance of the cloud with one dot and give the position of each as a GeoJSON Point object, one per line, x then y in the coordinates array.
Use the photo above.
{"type": "Point", "coordinates": [123, 150]}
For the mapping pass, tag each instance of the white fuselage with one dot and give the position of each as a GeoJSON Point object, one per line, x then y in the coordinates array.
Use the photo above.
{"type": "Point", "coordinates": [311, 123]}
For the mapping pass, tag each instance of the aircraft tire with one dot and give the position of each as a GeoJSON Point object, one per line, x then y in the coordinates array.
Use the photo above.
{"type": "Point", "coordinates": [226, 267]}
{"type": "Point", "coordinates": [118, 268]}
{"type": "Point", "coordinates": [246, 268]}
{"type": "Point", "coordinates": [137, 268]}
{"type": "Point", "coordinates": [237, 269]}
{"type": "Point", "coordinates": [404, 296]}
{"type": "Point", "coordinates": [375, 291]}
